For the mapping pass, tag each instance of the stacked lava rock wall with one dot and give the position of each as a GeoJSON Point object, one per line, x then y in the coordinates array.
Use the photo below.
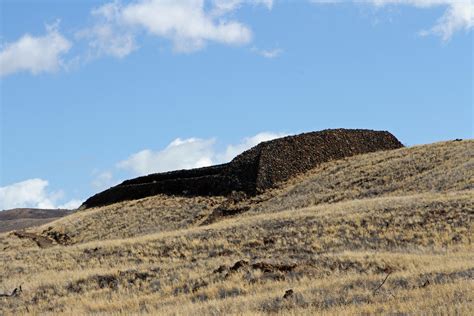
{"type": "Point", "coordinates": [285, 157]}
{"type": "Point", "coordinates": [255, 170]}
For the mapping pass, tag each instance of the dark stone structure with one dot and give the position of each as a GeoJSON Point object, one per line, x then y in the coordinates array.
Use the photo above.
{"type": "Point", "coordinates": [256, 169]}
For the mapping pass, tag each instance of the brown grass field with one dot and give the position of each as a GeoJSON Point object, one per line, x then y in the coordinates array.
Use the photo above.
{"type": "Point", "coordinates": [383, 233]}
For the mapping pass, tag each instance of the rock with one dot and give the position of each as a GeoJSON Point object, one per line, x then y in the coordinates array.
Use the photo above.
{"type": "Point", "coordinates": [288, 293]}
{"type": "Point", "coordinates": [255, 170]}
{"type": "Point", "coordinates": [41, 241]}
{"type": "Point", "coordinates": [16, 292]}
{"type": "Point", "coordinates": [238, 265]}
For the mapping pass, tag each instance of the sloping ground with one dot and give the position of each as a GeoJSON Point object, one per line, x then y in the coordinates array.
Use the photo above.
{"type": "Point", "coordinates": [255, 170]}
{"type": "Point", "coordinates": [440, 167]}
{"type": "Point", "coordinates": [133, 218]}
{"type": "Point", "coordinates": [333, 257]}
{"type": "Point", "coordinates": [349, 250]}
{"type": "Point", "coordinates": [20, 218]}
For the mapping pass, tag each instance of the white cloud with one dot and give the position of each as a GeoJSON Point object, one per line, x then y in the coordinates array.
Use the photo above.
{"type": "Point", "coordinates": [108, 36]}
{"type": "Point", "coordinates": [34, 54]}
{"type": "Point", "coordinates": [184, 22]}
{"type": "Point", "coordinates": [179, 154]}
{"type": "Point", "coordinates": [270, 53]}
{"type": "Point", "coordinates": [247, 143]}
{"type": "Point", "coordinates": [188, 153]}
{"type": "Point", "coordinates": [103, 180]}
{"type": "Point", "coordinates": [32, 193]}
{"type": "Point", "coordinates": [103, 39]}
{"type": "Point", "coordinates": [188, 24]}
{"type": "Point", "coordinates": [224, 6]}
{"type": "Point", "coordinates": [459, 14]}
{"type": "Point", "coordinates": [71, 205]}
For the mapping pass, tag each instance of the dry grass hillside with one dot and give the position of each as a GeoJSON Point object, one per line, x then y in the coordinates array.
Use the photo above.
{"type": "Point", "coordinates": [21, 218]}
{"type": "Point", "coordinates": [383, 233]}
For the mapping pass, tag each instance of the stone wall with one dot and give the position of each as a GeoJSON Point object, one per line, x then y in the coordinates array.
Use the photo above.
{"type": "Point", "coordinates": [255, 170]}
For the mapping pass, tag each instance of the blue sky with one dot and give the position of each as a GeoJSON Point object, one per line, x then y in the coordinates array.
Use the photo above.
{"type": "Point", "coordinates": [94, 92]}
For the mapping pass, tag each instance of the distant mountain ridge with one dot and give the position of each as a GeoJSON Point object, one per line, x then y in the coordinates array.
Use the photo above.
{"type": "Point", "coordinates": [20, 218]}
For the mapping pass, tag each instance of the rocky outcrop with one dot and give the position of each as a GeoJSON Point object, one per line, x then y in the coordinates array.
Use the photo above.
{"type": "Point", "coordinates": [255, 170]}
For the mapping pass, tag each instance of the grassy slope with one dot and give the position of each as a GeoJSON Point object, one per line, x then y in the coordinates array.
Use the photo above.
{"type": "Point", "coordinates": [22, 223]}
{"type": "Point", "coordinates": [439, 167]}
{"type": "Point", "coordinates": [20, 218]}
{"type": "Point", "coordinates": [332, 235]}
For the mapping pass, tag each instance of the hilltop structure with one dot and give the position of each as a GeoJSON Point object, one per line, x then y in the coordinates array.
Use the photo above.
{"type": "Point", "coordinates": [255, 170]}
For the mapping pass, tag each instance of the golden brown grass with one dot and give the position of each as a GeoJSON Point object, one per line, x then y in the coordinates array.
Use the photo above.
{"type": "Point", "coordinates": [330, 239]}
{"type": "Point", "coordinates": [439, 167]}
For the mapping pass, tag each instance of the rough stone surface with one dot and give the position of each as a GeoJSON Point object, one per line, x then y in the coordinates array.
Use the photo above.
{"type": "Point", "coordinates": [255, 170]}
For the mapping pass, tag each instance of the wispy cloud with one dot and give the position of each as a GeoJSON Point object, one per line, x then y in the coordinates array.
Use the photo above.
{"type": "Point", "coordinates": [35, 54]}
{"type": "Point", "coordinates": [268, 53]}
{"type": "Point", "coordinates": [458, 16]}
{"type": "Point", "coordinates": [108, 36]}
{"type": "Point", "coordinates": [103, 180]}
{"type": "Point", "coordinates": [221, 7]}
